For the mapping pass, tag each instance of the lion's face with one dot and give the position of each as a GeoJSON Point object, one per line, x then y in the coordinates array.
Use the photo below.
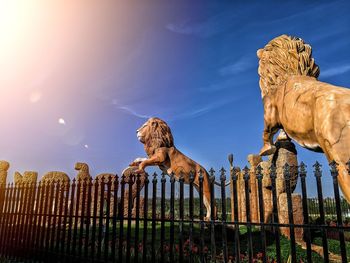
{"type": "Point", "coordinates": [155, 133]}
{"type": "Point", "coordinates": [142, 132]}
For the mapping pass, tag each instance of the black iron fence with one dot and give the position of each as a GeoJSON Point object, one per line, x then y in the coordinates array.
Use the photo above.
{"type": "Point", "coordinates": [101, 220]}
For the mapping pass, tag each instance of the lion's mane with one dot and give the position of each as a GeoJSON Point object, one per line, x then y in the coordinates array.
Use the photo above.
{"type": "Point", "coordinates": [157, 134]}
{"type": "Point", "coordinates": [282, 57]}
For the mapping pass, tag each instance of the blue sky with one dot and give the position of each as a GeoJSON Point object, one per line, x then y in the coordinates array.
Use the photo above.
{"type": "Point", "coordinates": [105, 69]}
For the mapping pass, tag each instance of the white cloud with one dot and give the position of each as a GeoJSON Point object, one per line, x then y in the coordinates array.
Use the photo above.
{"type": "Point", "coordinates": [335, 71]}
{"type": "Point", "coordinates": [134, 113]}
{"type": "Point", "coordinates": [210, 27]}
{"type": "Point", "coordinates": [239, 66]}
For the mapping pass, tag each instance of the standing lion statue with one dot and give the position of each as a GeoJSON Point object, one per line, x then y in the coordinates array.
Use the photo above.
{"type": "Point", "coordinates": [158, 142]}
{"type": "Point", "coordinates": [313, 113]}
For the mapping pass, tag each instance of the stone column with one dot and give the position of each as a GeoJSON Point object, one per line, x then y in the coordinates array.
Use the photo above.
{"type": "Point", "coordinates": [241, 197]}
{"type": "Point", "coordinates": [27, 177]}
{"type": "Point", "coordinates": [254, 160]}
{"type": "Point", "coordinates": [297, 215]}
{"type": "Point", "coordinates": [56, 176]}
{"type": "Point", "coordinates": [129, 173]}
{"type": "Point", "coordinates": [237, 171]}
{"type": "Point", "coordinates": [285, 153]}
{"type": "Point", "coordinates": [4, 166]}
{"type": "Point", "coordinates": [267, 193]}
{"type": "Point", "coordinates": [83, 176]}
{"type": "Point", "coordinates": [105, 177]}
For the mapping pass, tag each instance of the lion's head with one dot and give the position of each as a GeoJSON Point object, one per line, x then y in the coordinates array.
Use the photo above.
{"type": "Point", "coordinates": [282, 57]}
{"type": "Point", "coordinates": [155, 133]}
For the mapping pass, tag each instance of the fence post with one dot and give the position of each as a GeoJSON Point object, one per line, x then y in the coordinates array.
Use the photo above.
{"type": "Point", "coordinates": [162, 228]}
{"type": "Point", "coordinates": [54, 221]}
{"type": "Point", "coordinates": [108, 207]}
{"type": "Point", "coordinates": [201, 215]}
{"type": "Point", "coordinates": [76, 217]}
{"type": "Point", "coordinates": [67, 187]}
{"type": "Point", "coordinates": [145, 219]}
{"type": "Point", "coordinates": [130, 205]}
{"type": "Point", "coordinates": [88, 216]}
{"type": "Point", "coordinates": [259, 177]}
{"type": "Point", "coordinates": [154, 215]}
{"type": "Point", "coordinates": [286, 170]}
{"type": "Point", "coordinates": [137, 218]}
{"type": "Point", "coordinates": [213, 214]}
{"type": "Point", "coordinates": [172, 215]}
{"type": "Point", "coordinates": [234, 177]}
{"type": "Point", "coordinates": [334, 173]}
{"type": "Point", "coordinates": [114, 222]}
{"type": "Point", "coordinates": [223, 214]}
{"type": "Point", "coordinates": [275, 212]}
{"type": "Point", "coordinates": [191, 215]}
{"type": "Point", "coordinates": [318, 174]}
{"type": "Point", "coordinates": [247, 205]}
{"type": "Point", "coordinates": [181, 223]}
{"type": "Point", "coordinates": [94, 218]}
{"type": "Point", "coordinates": [302, 174]}
{"type": "Point", "coordinates": [82, 214]}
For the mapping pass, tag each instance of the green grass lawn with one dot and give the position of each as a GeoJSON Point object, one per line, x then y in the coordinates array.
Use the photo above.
{"type": "Point", "coordinates": [256, 238]}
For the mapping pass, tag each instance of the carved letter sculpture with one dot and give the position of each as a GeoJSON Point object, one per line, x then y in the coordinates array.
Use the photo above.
{"type": "Point", "coordinates": [313, 113]}
{"type": "Point", "coordinates": [158, 142]}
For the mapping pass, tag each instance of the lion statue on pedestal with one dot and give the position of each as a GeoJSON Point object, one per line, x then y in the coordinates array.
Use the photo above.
{"type": "Point", "coordinates": [313, 113]}
{"type": "Point", "coordinates": [158, 142]}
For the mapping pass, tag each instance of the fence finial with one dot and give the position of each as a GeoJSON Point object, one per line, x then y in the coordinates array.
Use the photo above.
{"type": "Point", "coordinates": [259, 174]}
{"type": "Point", "coordinates": [246, 173]}
{"type": "Point", "coordinates": [302, 170]}
{"type": "Point", "coordinates": [201, 177]}
{"type": "Point", "coordinates": [317, 170]}
{"type": "Point", "coordinates": [222, 174]}
{"type": "Point", "coordinates": [191, 176]}
{"type": "Point", "coordinates": [286, 171]}
{"type": "Point", "coordinates": [334, 172]}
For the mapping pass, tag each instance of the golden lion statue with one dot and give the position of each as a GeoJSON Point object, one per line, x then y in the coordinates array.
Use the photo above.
{"type": "Point", "coordinates": [313, 113]}
{"type": "Point", "coordinates": [158, 142]}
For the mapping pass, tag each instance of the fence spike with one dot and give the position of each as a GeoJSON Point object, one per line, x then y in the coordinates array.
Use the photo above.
{"type": "Point", "coordinates": [163, 177]}
{"type": "Point", "coordinates": [317, 170]}
{"type": "Point", "coordinates": [334, 171]}
{"type": "Point", "coordinates": [191, 176]}
{"type": "Point", "coordinates": [212, 172]}
{"type": "Point", "coordinates": [222, 174]}
{"type": "Point", "coordinates": [286, 171]}
{"type": "Point", "coordinates": [201, 177]}
{"type": "Point", "coordinates": [302, 169]}
{"type": "Point", "coordinates": [246, 173]}
{"type": "Point", "coordinates": [154, 180]}
{"type": "Point", "coordinates": [259, 174]}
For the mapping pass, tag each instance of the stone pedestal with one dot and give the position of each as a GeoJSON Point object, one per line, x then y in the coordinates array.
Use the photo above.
{"type": "Point", "coordinates": [29, 177]}
{"type": "Point", "coordinates": [297, 215]}
{"type": "Point", "coordinates": [4, 166]}
{"type": "Point", "coordinates": [254, 160]}
{"type": "Point", "coordinates": [285, 153]}
{"type": "Point", "coordinates": [83, 177]}
{"type": "Point", "coordinates": [130, 176]}
{"type": "Point", "coordinates": [56, 176]}
{"type": "Point", "coordinates": [104, 177]}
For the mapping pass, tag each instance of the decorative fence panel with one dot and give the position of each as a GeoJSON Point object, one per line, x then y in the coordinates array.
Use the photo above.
{"type": "Point", "coordinates": [102, 220]}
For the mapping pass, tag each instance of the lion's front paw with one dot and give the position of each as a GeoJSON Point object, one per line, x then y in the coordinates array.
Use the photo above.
{"type": "Point", "coordinates": [267, 150]}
